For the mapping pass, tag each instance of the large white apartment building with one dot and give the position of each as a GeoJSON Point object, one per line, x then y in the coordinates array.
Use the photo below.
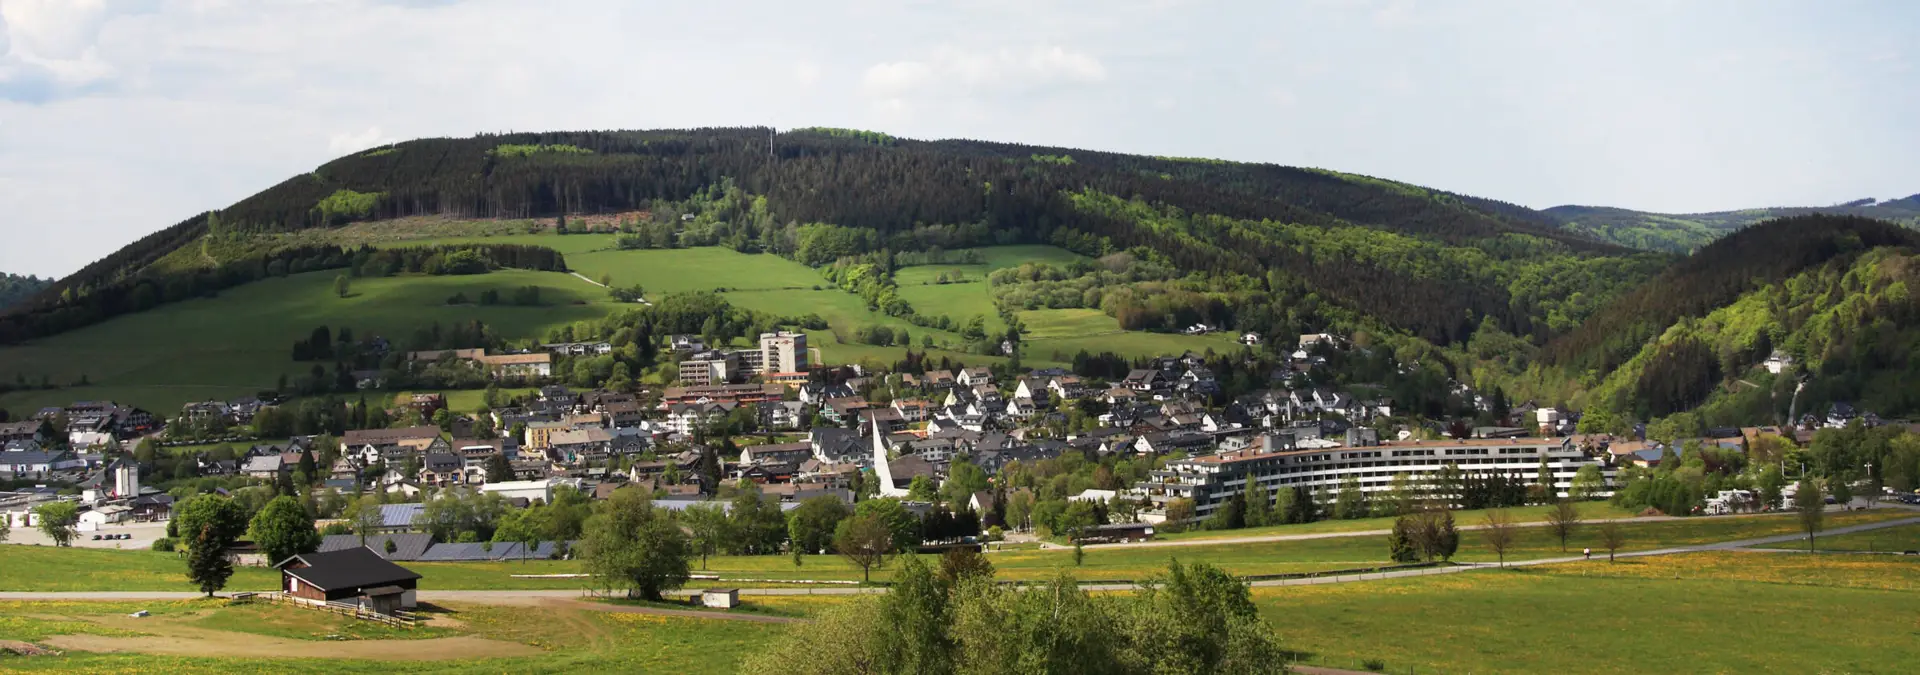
{"type": "Point", "coordinates": [783, 352]}
{"type": "Point", "coordinates": [1211, 480]}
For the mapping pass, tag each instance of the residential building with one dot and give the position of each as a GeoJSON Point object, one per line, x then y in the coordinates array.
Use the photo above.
{"type": "Point", "coordinates": [783, 353]}
{"type": "Point", "coordinates": [706, 369]}
{"type": "Point", "coordinates": [518, 365]}
{"type": "Point", "coordinates": [355, 575]}
{"type": "Point", "coordinates": [1211, 480]}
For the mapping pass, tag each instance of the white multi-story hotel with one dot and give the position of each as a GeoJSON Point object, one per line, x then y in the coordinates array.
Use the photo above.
{"type": "Point", "coordinates": [783, 352]}
{"type": "Point", "coordinates": [1211, 480]}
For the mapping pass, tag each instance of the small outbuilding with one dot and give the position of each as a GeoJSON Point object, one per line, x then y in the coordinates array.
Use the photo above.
{"type": "Point", "coordinates": [720, 598]}
{"type": "Point", "coordinates": [356, 575]}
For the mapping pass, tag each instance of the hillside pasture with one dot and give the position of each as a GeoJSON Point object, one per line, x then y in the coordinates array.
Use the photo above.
{"type": "Point", "coordinates": [240, 341]}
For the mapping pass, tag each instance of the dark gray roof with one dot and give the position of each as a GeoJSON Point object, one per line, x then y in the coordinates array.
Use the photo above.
{"type": "Point", "coordinates": [349, 568]}
{"type": "Point", "coordinates": [406, 546]}
{"type": "Point", "coordinates": [480, 552]}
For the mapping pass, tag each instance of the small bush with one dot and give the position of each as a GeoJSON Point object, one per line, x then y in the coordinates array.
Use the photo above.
{"type": "Point", "coordinates": [1374, 665]}
{"type": "Point", "coordinates": [164, 544]}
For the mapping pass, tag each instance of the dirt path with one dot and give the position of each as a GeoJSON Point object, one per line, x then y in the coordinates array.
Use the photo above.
{"type": "Point", "coordinates": [191, 642]}
{"type": "Point", "coordinates": [662, 611]}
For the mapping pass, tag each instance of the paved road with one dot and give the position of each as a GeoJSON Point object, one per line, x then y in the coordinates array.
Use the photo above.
{"type": "Point", "coordinates": [534, 597]}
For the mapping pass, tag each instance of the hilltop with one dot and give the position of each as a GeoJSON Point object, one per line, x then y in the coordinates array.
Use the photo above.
{"type": "Point", "coordinates": [1319, 246]}
{"type": "Point", "coordinates": [1684, 232]}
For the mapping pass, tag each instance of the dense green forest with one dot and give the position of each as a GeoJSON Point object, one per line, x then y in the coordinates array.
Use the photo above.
{"type": "Point", "coordinates": [1684, 232]}
{"type": "Point", "coordinates": [15, 288]}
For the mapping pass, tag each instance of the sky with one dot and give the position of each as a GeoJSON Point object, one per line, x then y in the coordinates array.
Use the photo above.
{"type": "Point", "coordinates": [121, 117]}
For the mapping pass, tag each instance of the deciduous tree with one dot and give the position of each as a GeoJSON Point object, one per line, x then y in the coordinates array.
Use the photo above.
{"type": "Point", "coordinates": [1562, 519]}
{"type": "Point", "coordinates": [283, 529]}
{"type": "Point", "coordinates": [1497, 532]}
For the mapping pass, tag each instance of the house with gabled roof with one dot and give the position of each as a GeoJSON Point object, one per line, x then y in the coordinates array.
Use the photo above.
{"type": "Point", "coordinates": [355, 575]}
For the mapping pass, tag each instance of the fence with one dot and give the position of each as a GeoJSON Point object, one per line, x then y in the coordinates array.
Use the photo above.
{"type": "Point", "coordinates": [399, 619]}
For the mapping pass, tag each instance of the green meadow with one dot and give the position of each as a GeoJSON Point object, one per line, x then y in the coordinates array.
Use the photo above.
{"type": "Point", "coordinates": [241, 341]}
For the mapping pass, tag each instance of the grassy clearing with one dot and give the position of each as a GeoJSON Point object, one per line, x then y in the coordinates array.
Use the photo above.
{"type": "Point", "coordinates": [571, 639]}
{"type": "Point", "coordinates": [306, 624]}
{"type": "Point", "coordinates": [45, 568]}
{"type": "Point", "coordinates": [239, 343]}
{"type": "Point", "coordinates": [1524, 514]}
{"type": "Point", "coordinates": [1539, 621]}
{"type": "Point", "coordinates": [1057, 334]}
{"type": "Point", "coordinates": [1896, 539]}
{"type": "Point", "coordinates": [1887, 573]}
{"type": "Point", "coordinates": [693, 269]}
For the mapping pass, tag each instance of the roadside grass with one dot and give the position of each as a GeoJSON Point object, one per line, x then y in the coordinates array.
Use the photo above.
{"type": "Point", "coordinates": [1522, 514]}
{"type": "Point", "coordinates": [1543, 621]}
{"type": "Point", "coordinates": [240, 342]}
{"type": "Point", "coordinates": [762, 605]}
{"type": "Point", "coordinates": [1892, 539]}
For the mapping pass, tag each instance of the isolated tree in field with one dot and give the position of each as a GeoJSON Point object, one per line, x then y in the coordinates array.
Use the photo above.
{"type": "Point", "coordinates": [1400, 544]}
{"type": "Point", "coordinates": [1562, 520]}
{"type": "Point", "coordinates": [634, 546]}
{"type": "Point", "coordinates": [57, 520]}
{"type": "Point", "coordinates": [1434, 534]}
{"type": "Point", "coordinates": [1498, 533]}
{"type": "Point", "coordinates": [1612, 537]}
{"type": "Point", "coordinates": [960, 564]}
{"type": "Point", "coordinates": [1811, 504]}
{"type": "Point", "coordinates": [864, 540]}
{"type": "Point", "coordinates": [283, 530]}
{"type": "Point", "coordinates": [708, 530]}
{"type": "Point", "coordinates": [341, 287]}
{"type": "Point", "coordinates": [207, 563]}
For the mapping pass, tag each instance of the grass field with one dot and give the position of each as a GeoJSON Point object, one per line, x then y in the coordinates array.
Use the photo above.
{"type": "Point", "coordinates": [29, 568]}
{"type": "Point", "coordinates": [204, 637]}
{"type": "Point", "coordinates": [240, 342]}
{"type": "Point", "coordinates": [1895, 539]}
{"type": "Point", "coordinates": [1568, 619]}
{"type": "Point", "coordinates": [1055, 335]}
{"type": "Point", "coordinates": [1524, 514]}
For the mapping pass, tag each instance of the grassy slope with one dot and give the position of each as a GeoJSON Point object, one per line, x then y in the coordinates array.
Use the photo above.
{"type": "Point", "coordinates": [1640, 618]}
{"type": "Point", "coordinates": [1890, 539]}
{"type": "Point", "coordinates": [239, 342]}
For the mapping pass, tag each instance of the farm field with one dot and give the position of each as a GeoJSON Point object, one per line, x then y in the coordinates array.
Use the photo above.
{"type": "Point", "coordinates": [1896, 539]}
{"type": "Point", "coordinates": [1572, 619]}
{"type": "Point", "coordinates": [240, 342]}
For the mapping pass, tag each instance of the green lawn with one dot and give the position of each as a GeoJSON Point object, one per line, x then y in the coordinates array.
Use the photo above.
{"type": "Point", "coordinates": [240, 342]}
{"type": "Point", "coordinates": [569, 639]}
{"type": "Point", "coordinates": [1906, 538]}
{"type": "Point", "coordinates": [1547, 621]}
{"type": "Point", "coordinates": [1524, 514]}
{"type": "Point", "coordinates": [662, 272]}
{"type": "Point", "coordinates": [45, 568]}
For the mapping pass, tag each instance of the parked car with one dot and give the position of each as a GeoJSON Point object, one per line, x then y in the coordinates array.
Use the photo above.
{"type": "Point", "coordinates": [96, 537]}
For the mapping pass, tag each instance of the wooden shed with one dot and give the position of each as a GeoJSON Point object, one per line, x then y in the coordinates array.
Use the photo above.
{"type": "Point", "coordinates": [356, 575]}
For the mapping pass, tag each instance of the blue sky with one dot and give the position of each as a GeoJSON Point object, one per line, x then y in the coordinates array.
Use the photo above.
{"type": "Point", "coordinates": [120, 117]}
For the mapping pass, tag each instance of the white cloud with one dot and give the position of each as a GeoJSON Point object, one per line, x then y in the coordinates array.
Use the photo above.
{"type": "Point", "coordinates": [895, 77]}
{"type": "Point", "coordinates": [344, 143]}
{"type": "Point", "coordinates": [989, 69]}
{"type": "Point", "coordinates": [807, 73]}
{"type": "Point", "coordinates": [55, 29]}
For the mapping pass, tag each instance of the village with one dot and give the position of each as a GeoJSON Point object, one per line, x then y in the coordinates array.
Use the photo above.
{"type": "Point", "coordinates": [975, 455]}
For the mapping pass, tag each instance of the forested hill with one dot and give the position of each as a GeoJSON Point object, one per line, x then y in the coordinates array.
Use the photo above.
{"type": "Point", "coordinates": [1428, 263]}
{"type": "Point", "coordinates": [1685, 232]}
{"type": "Point", "coordinates": [1714, 277]}
{"type": "Point", "coordinates": [15, 288]}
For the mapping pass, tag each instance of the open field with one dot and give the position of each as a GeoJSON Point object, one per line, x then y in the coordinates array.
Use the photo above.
{"type": "Point", "coordinates": [1895, 539]}
{"type": "Point", "coordinates": [240, 342]}
{"type": "Point", "coordinates": [1524, 514]}
{"type": "Point", "coordinates": [1568, 619]}
{"type": "Point", "coordinates": [31, 568]}
{"type": "Point", "coordinates": [1055, 335]}
{"type": "Point", "coordinates": [209, 637]}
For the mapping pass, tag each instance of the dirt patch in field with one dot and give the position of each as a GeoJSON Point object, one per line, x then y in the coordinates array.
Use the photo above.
{"type": "Point", "coordinates": [195, 642]}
